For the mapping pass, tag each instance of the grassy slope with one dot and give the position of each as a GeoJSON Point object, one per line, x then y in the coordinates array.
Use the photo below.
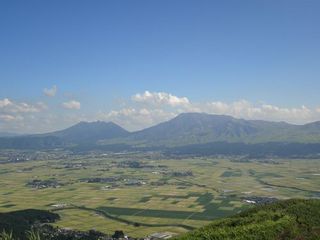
{"type": "Point", "coordinates": [291, 219]}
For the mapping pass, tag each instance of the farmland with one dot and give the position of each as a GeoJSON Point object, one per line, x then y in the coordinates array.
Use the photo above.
{"type": "Point", "coordinates": [146, 193]}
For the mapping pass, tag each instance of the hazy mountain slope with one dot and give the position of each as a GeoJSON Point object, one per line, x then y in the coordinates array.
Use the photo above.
{"type": "Point", "coordinates": [198, 128]}
{"type": "Point", "coordinates": [291, 219]}
{"type": "Point", "coordinates": [253, 150]}
{"type": "Point", "coordinates": [185, 129]}
{"type": "Point", "coordinates": [31, 142]}
{"type": "Point", "coordinates": [90, 132]}
{"type": "Point", "coordinates": [8, 134]}
{"type": "Point", "coordinates": [82, 133]}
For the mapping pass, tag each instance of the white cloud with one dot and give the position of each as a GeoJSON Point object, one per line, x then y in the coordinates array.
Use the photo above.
{"type": "Point", "coordinates": [247, 110]}
{"type": "Point", "coordinates": [7, 117]}
{"type": "Point", "coordinates": [9, 106]}
{"type": "Point", "coordinates": [50, 92]}
{"type": "Point", "coordinates": [19, 116]}
{"type": "Point", "coordinates": [5, 102]}
{"type": "Point", "coordinates": [136, 118]}
{"type": "Point", "coordinates": [160, 98]}
{"type": "Point", "coordinates": [72, 105]}
{"type": "Point", "coordinates": [25, 108]}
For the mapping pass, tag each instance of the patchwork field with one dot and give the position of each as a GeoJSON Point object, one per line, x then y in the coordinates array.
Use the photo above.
{"type": "Point", "coordinates": [143, 194]}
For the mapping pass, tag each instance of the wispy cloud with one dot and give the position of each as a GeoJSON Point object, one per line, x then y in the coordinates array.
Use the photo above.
{"type": "Point", "coordinates": [7, 117]}
{"type": "Point", "coordinates": [247, 110]}
{"type": "Point", "coordinates": [5, 102]}
{"type": "Point", "coordinates": [19, 116]}
{"type": "Point", "coordinates": [137, 118]}
{"type": "Point", "coordinates": [160, 98]}
{"type": "Point", "coordinates": [73, 104]}
{"type": "Point", "coordinates": [9, 106]}
{"type": "Point", "coordinates": [50, 92]}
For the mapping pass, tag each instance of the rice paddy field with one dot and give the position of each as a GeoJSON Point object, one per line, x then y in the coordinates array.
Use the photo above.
{"type": "Point", "coordinates": [143, 194]}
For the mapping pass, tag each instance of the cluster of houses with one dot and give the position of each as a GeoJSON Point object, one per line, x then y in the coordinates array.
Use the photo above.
{"type": "Point", "coordinates": [42, 184]}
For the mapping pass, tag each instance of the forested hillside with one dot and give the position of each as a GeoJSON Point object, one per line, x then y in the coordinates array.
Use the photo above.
{"type": "Point", "coordinates": [291, 219]}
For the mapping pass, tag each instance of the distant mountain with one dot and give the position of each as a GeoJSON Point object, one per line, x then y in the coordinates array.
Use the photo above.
{"type": "Point", "coordinates": [90, 132]}
{"type": "Point", "coordinates": [83, 133]}
{"type": "Point", "coordinates": [188, 133]}
{"type": "Point", "coordinates": [200, 128]}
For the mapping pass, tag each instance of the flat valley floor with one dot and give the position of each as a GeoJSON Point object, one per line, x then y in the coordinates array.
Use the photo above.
{"type": "Point", "coordinates": [146, 193]}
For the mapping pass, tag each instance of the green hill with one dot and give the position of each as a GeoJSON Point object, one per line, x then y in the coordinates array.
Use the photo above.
{"type": "Point", "coordinates": [290, 219]}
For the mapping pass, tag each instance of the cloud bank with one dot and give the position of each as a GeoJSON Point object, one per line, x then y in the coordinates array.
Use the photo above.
{"type": "Point", "coordinates": [160, 98]}
{"type": "Point", "coordinates": [20, 116]}
{"type": "Point", "coordinates": [139, 111]}
{"type": "Point", "coordinates": [8, 106]}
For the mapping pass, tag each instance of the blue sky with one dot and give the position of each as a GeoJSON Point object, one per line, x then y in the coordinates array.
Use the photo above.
{"type": "Point", "coordinates": [102, 53]}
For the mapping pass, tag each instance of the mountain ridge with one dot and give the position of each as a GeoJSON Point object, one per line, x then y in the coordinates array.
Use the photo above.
{"type": "Point", "coordinates": [186, 129]}
{"type": "Point", "coordinates": [83, 132]}
{"type": "Point", "coordinates": [197, 128]}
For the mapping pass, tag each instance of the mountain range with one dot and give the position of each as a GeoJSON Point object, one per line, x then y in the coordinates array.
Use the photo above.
{"type": "Point", "coordinates": [198, 128]}
{"type": "Point", "coordinates": [184, 131]}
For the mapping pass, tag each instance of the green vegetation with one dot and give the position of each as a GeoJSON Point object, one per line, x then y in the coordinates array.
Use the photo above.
{"type": "Point", "coordinates": [291, 219]}
{"type": "Point", "coordinates": [33, 235]}
{"type": "Point", "coordinates": [18, 224]}
{"type": "Point", "coordinates": [6, 236]}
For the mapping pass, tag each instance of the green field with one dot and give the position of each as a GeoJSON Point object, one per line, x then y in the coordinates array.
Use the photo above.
{"type": "Point", "coordinates": [158, 194]}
